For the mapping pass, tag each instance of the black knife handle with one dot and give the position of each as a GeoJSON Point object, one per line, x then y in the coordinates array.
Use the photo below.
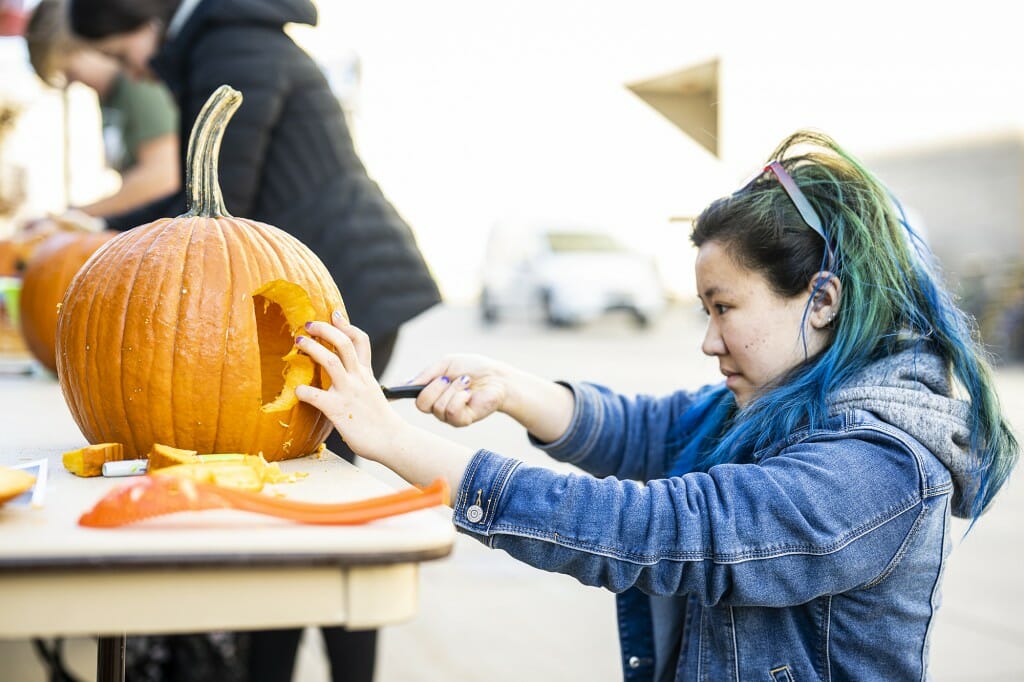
{"type": "Point", "coordinates": [399, 392]}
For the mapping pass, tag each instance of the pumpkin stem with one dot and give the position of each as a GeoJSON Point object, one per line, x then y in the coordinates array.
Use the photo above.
{"type": "Point", "coordinates": [201, 183]}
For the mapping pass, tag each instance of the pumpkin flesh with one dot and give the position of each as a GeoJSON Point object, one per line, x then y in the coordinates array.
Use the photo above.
{"type": "Point", "coordinates": [281, 309]}
{"type": "Point", "coordinates": [14, 482]}
{"type": "Point", "coordinates": [89, 461]}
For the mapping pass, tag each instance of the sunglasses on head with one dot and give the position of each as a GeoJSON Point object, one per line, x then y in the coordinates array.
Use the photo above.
{"type": "Point", "coordinates": [803, 206]}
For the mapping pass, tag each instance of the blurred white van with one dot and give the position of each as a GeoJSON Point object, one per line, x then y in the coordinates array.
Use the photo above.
{"type": "Point", "coordinates": [568, 274]}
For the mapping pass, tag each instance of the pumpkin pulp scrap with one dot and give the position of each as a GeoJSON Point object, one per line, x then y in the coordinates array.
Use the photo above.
{"type": "Point", "coordinates": [14, 482]}
{"type": "Point", "coordinates": [231, 470]}
{"type": "Point", "coordinates": [88, 461]}
{"type": "Point", "coordinates": [282, 308]}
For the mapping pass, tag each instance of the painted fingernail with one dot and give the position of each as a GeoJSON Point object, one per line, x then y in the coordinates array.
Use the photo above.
{"type": "Point", "coordinates": [464, 379]}
{"type": "Point", "coordinates": [445, 380]}
{"type": "Point", "coordinates": [299, 339]}
{"type": "Point", "coordinates": [336, 316]}
{"type": "Point", "coordinates": [309, 325]}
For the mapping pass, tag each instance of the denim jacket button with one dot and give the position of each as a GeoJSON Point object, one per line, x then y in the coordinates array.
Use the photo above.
{"type": "Point", "coordinates": [636, 661]}
{"type": "Point", "coordinates": [474, 513]}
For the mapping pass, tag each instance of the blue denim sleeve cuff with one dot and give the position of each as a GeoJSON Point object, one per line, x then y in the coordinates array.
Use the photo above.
{"type": "Point", "coordinates": [583, 432]}
{"type": "Point", "coordinates": [479, 494]}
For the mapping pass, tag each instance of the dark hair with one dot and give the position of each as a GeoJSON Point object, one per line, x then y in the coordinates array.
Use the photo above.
{"type": "Point", "coordinates": [764, 230]}
{"type": "Point", "coordinates": [98, 19]}
{"type": "Point", "coordinates": [892, 291]}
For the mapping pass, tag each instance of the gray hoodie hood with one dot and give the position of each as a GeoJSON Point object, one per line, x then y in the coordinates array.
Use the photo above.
{"type": "Point", "coordinates": [911, 390]}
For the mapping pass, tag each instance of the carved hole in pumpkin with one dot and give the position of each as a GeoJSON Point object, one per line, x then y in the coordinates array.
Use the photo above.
{"type": "Point", "coordinates": [281, 309]}
{"type": "Point", "coordinates": [275, 341]}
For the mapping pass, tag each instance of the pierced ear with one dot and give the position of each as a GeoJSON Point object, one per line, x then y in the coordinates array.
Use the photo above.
{"type": "Point", "coordinates": [826, 291]}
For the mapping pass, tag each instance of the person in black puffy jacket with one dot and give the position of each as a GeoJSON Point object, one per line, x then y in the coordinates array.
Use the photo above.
{"type": "Point", "coordinates": [287, 159]}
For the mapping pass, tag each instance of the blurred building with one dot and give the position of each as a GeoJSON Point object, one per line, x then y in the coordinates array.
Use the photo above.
{"type": "Point", "coordinates": [964, 196]}
{"type": "Point", "coordinates": [968, 195]}
{"type": "Point", "coordinates": [964, 190]}
{"type": "Point", "coordinates": [961, 193]}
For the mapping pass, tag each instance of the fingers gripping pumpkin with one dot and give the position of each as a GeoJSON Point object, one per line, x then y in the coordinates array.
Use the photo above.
{"type": "Point", "coordinates": [181, 331]}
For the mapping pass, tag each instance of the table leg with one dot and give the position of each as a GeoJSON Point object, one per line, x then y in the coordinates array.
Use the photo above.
{"type": "Point", "coordinates": [110, 659]}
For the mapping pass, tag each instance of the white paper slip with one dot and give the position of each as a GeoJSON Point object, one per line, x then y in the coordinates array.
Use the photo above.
{"type": "Point", "coordinates": [127, 467]}
{"type": "Point", "coordinates": [34, 496]}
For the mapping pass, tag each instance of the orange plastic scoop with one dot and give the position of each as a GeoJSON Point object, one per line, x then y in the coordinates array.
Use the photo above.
{"type": "Point", "coordinates": [150, 496]}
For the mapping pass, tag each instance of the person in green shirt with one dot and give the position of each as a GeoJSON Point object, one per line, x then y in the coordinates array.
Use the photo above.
{"type": "Point", "coordinates": [140, 120]}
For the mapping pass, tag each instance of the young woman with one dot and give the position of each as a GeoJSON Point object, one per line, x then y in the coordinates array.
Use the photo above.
{"type": "Point", "coordinates": [789, 524]}
{"type": "Point", "coordinates": [140, 122]}
{"type": "Point", "coordinates": [287, 159]}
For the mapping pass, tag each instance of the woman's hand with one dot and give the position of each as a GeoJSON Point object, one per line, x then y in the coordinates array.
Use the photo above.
{"type": "Point", "coordinates": [463, 389]}
{"type": "Point", "coordinates": [357, 407]}
{"type": "Point", "coordinates": [354, 402]}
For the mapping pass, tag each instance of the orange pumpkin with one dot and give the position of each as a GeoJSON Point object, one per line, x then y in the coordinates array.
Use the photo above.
{"type": "Point", "coordinates": [182, 331]}
{"type": "Point", "coordinates": [46, 278]}
{"type": "Point", "coordinates": [9, 257]}
{"type": "Point", "coordinates": [15, 252]}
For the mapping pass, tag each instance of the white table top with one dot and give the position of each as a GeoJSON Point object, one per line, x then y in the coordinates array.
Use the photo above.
{"type": "Point", "coordinates": [196, 570]}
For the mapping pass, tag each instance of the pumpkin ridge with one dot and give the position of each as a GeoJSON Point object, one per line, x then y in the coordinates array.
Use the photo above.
{"type": "Point", "coordinates": [296, 255]}
{"type": "Point", "coordinates": [136, 431]}
{"type": "Point", "coordinates": [92, 331]}
{"type": "Point", "coordinates": [67, 307]}
{"type": "Point", "coordinates": [225, 324]}
{"type": "Point", "coordinates": [61, 354]}
{"type": "Point", "coordinates": [140, 380]}
{"type": "Point", "coordinates": [236, 237]}
{"type": "Point", "coordinates": [269, 267]}
{"type": "Point", "coordinates": [238, 256]}
{"type": "Point", "coordinates": [175, 413]}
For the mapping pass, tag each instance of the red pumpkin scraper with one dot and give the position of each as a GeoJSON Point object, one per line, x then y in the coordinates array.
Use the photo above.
{"type": "Point", "coordinates": [155, 495]}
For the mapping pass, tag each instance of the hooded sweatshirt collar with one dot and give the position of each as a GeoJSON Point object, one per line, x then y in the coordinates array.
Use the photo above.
{"type": "Point", "coordinates": [194, 17]}
{"type": "Point", "coordinates": [912, 391]}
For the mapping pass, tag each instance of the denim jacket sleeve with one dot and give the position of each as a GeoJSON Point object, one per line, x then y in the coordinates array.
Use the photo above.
{"type": "Point", "coordinates": [615, 435]}
{"type": "Point", "coordinates": [825, 515]}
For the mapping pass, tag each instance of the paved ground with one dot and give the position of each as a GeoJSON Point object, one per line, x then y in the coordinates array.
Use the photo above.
{"type": "Point", "coordinates": [484, 616]}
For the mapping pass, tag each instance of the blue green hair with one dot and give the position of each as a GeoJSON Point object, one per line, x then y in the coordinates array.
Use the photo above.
{"type": "Point", "coordinates": [891, 291]}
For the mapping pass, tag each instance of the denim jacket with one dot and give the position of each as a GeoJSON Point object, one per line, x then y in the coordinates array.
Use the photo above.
{"type": "Point", "coordinates": [820, 560]}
